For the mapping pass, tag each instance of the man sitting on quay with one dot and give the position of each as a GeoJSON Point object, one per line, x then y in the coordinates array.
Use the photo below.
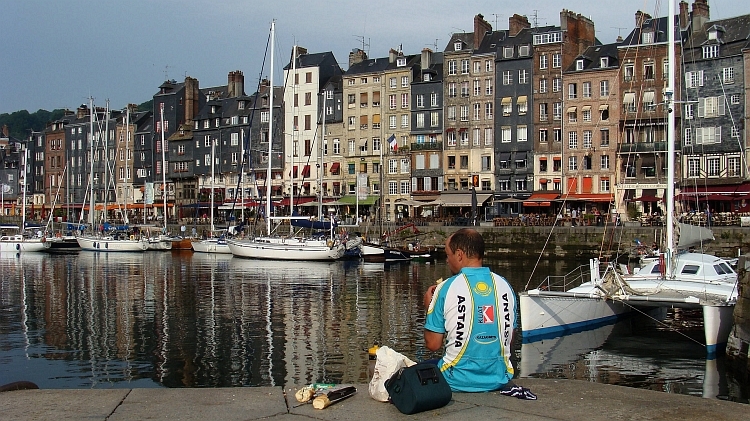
{"type": "Point", "coordinates": [473, 314]}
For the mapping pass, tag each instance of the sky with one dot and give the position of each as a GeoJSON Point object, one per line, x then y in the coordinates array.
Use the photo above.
{"type": "Point", "coordinates": [58, 53]}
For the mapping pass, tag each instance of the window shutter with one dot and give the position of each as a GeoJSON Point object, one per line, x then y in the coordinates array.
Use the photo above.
{"type": "Point", "coordinates": [722, 104]}
{"type": "Point", "coordinates": [689, 79]}
{"type": "Point", "coordinates": [701, 107]}
{"type": "Point", "coordinates": [700, 78]}
{"type": "Point", "coordinates": [427, 183]}
{"type": "Point", "coordinates": [414, 184]}
{"type": "Point", "coordinates": [717, 134]}
{"type": "Point", "coordinates": [699, 136]}
{"type": "Point", "coordinates": [440, 183]}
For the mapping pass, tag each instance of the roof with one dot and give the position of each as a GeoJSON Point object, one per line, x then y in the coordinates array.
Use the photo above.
{"type": "Point", "coordinates": [466, 39]}
{"type": "Point", "coordinates": [656, 25]}
{"type": "Point", "coordinates": [734, 36]}
{"type": "Point", "coordinates": [592, 57]}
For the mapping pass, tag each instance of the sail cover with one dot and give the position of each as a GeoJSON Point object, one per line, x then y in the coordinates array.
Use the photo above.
{"type": "Point", "coordinates": [693, 235]}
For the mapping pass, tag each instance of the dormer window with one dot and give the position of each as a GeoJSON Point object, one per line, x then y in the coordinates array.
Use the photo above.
{"type": "Point", "coordinates": [241, 105]}
{"type": "Point", "coordinates": [711, 51]}
{"type": "Point", "coordinates": [507, 52]}
{"type": "Point", "coordinates": [426, 77]}
{"type": "Point", "coordinates": [401, 62]}
{"type": "Point", "coordinates": [524, 50]}
{"type": "Point", "coordinates": [579, 64]}
{"type": "Point", "coordinates": [647, 37]}
{"type": "Point", "coordinates": [604, 62]}
{"type": "Point", "coordinates": [213, 109]}
{"type": "Point", "coordinates": [457, 46]}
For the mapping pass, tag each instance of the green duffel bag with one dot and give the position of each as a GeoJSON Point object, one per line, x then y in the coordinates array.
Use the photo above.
{"type": "Point", "coordinates": [418, 388]}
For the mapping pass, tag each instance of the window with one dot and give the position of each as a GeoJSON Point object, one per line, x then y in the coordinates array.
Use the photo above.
{"type": "Point", "coordinates": [587, 139]}
{"type": "Point", "coordinates": [420, 120]}
{"type": "Point", "coordinates": [522, 134]}
{"type": "Point", "coordinates": [452, 65]}
{"type": "Point", "coordinates": [434, 119]}
{"type": "Point", "coordinates": [488, 136]}
{"type": "Point", "coordinates": [433, 99]}
{"type": "Point", "coordinates": [405, 165]}
{"type": "Point", "coordinates": [507, 77]}
{"type": "Point", "coordinates": [393, 187]}
{"type": "Point", "coordinates": [486, 163]}
{"type": "Point", "coordinates": [523, 76]}
{"type": "Point", "coordinates": [308, 98]}
{"type": "Point", "coordinates": [604, 162]}
{"type": "Point", "coordinates": [420, 101]}
{"type": "Point", "coordinates": [476, 137]}
{"type": "Point", "coordinates": [572, 163]}
{"type": "Point", "coordinates": [713, 167]}
{"type": "Point", "coordinates": [543, 115]}
{"type": "Point", "coordinates": [572, 115]}
{"type": "Point", "coordinates": [452, 90]}
{"type": "Point", "coordinates": [507, 106]}
{"type": "Point", "coordinates": [572, 140]}
{"type": "Point", "coordinates": [707, 135]}
{"type": "Point", "coordinates": [694, 167]}
{"type": "Point", "coordinates": [404, 100]}
{"type": "Point", "coordinates": [735, 132]}
{"type": "Point", "coordinates": [404, 120]}
{"type": "Point", "coordinates": [405, 187]}
{"type": "Point", "coordinates": [505, 134]}
{"type": "Point", "coordinates": [727, 74]}
{"type": "Point", "coordinates": [629, 72]}
{"type": "Point", "coordinates": [556, 84]}
{"type": "Point", "coordinates": [572, 91]}
{"type": "Point", "coordinates": [488, 86]}
{"type": "Point", "coordinates": [557, 111]}
{"type": "Point", "coordinates": [488, 111]}
{"type": "Point", "coordinates": [392, 166]}
{"type": "Point", "coordinates": [542, 86]}
{"type": "Point", "coordinates": [464, 110]}
{"type": "Point", "coordinates": [451, 110]}
{"type": "Point", "coordinates": [477, 66]}
{"type": "Point", "coordinates": [464, 161]}
{"type": "Point", "coordinates": [734, 99]}
{"type": "Point", "coordinates": [586, 114]}
{"type": "Point", "coordinates": [711, 106]}
{"type": "Point", "coordinates": [586, 86]}
{"type": "Point", "coordinates": [451, 162]}
{"type": "Point", "coordinates": [579, 64]}
{"type": "Point", "coordinates": [556, 60]}
{"type": "Point", "coordinates": [711, 51]}
{"type": "Point", "coordinates": [604, 137]}
{"type": "Point", "coordinates": [234, 139]}
{"type": "Point", "coordinates": [647, 37]}
{"type": "Point", "coordinates": [604, 88]}
{"type": "Point", "coordinates": [733, 167]}
{"type": "Point", "coordinates": [603, 62]}
{"type": "Point", "coordinates": [464, 137]}
{"type": "Point", "coordinates": [523, 106]}
{"type": "Point", "coordinates": [465, 66]}
{"type": "Point", "coordinates": [507, 52]}
{"type": "Point", "coordinates": [404, 81]}
{"type": "Point", "coordinates": [477, 87]}
{"type": "Point", "coordinates": [604, 185]}
{"type": "Point", "coordinates": [543, 61]}
{"type": "Point", "coordinates": [336, 146]}
{"type": "Point", "coordinates": [688, 136]}
{"type": "Point", "coordinates": [648, 70]}
{"type": "Point", "coordinates": [694, 79]}
{"type": "Point", "coordinates": [689, 111]}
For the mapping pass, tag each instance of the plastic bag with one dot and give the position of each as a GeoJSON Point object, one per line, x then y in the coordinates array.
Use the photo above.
{"type": "Point", "coordinates": [388, 362]}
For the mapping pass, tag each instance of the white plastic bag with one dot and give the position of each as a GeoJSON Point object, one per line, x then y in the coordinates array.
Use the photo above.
{"type": "Point", "coordinates": [388, 362]}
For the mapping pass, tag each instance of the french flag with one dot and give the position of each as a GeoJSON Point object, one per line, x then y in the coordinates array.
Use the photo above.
{"type": "Point", "coordinates": [392, 142]}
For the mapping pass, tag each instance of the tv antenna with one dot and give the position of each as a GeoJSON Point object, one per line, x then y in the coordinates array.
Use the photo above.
{"type": "Point", "coordinates": [365, 44]}
{"type": "Point", "coordinates": [535, 18]}
{"type": "Point", "coordinates": [618, 29]}
{"type": "Point", "coordinates": [496, 16]}
{"type": "Point", "coordinates": [166, 72]}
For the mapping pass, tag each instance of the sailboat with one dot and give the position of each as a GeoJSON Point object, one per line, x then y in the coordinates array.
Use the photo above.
{"type": "Point", "coordinates": [20, 241]}
{"type": "Point", "coordinates": [160, 240]}
{"type": "Point", "coordinates": [290, 247]}
{"type": "Point", "coordinates": [212, 244]}
{"type": "Point", "coordinates": [108, 238]}
{"type": "Point", "coordinates": [686, 280]}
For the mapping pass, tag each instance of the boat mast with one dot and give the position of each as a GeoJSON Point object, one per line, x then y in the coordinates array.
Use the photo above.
{"type": "Point", "coordinates": [669, 98]}
{"type": "Point", "coordinates": [295, 138]}
{"type": "Point", "coordinates": [320, 161]}
{"type": "Point", "coordinates": [127, 167]}
{"type": "Point", "coordinates": [163, 168]}
{"type": "Point", "coordinates": [270, 136]}
{"type": "Point", "coordinates": [23, 189]}
{"type": "Point", "coordinates": [91, 157]}
{"type": "Point", "coordinates": [106, 158]}
{"type": "Point", "coordinates": [213, 164]}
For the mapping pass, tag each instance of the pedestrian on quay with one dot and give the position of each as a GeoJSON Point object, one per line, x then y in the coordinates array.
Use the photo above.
{"type": "Point", "coordinates": [472, 314]}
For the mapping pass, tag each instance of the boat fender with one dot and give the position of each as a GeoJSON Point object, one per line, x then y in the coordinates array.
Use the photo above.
{"type": "Point", "coordinates": [18, 247]}
{"type": "Point", "coordinates": [662, 266]}
{"type": "Point", "coordinates": [44, 239]}
{"type": "Point", "coordinates": [132, 237]}
{"type": "Point", "coordinates": [22, 385]}
{"type": "Point", "coordinates": [329, 243]}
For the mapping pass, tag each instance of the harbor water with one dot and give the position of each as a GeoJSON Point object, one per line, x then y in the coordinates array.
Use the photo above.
{"type": "Point", "coordinates": [183, 319]}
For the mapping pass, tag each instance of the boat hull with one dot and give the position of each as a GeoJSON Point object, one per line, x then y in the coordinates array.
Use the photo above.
{"type": "Point", "coordinates": [211, 246]}
{"type": "Point", "coordinates": [23, 245]}
{"type": "Point", "coordinates": [286, 249]}
{"type": "Point", "coordinates": [109, 244]}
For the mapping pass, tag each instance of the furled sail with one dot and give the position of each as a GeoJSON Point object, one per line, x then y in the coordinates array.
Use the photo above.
{"type": "Point", "coordinates": [693, 236]}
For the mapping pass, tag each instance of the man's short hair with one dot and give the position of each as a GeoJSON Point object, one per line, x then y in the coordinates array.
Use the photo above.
{"type": "Point", "coordinates": [469, 241]}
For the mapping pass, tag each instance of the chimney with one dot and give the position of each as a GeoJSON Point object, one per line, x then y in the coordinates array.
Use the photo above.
{"type": "Point", "coordinates": [356, 56]}
{"type": "Point", "coordinates": [481, 27]}
{"type": "Point", "coordinates": [191, 99]}
{"type": "Point", "coordinates": [641, 17]}
{"type": "Point", "coordinates": [235, 84]}
{"type": "Point", "coordinates": [684, 15]}
{"type": "Point", "coordinates": [82, 112]}
{"type": "Point", "coordinates": [426, 58]}
{"type": "Point", "coordinates": [516, 24]}
{"type": "Point", "coordinates": [700, 14]}
{"type": "Point", "coordinates": [392, 54]}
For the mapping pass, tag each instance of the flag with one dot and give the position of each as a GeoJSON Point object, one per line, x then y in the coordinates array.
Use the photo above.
{"type": "Point", "coordinates": [392, 142]}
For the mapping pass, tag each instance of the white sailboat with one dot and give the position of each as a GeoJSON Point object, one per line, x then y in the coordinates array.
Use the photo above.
{"type": "Point", "coordinates": [283, 248]}
{"type": "Point", "coordinates": [162, 241]}
{"type": "Point", "coordinates": [118, 239]}
{"type": "Point", "coordinates": [212, 244]}
{"type": "Point", "coordinates": [686, 280]}
{"type": "Point", "coordinates": [19, 241]}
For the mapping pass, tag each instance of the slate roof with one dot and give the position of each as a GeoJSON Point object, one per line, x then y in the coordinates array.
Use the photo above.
{"type": "Point", "coordinates": [734, 36]}
{"type": "Point", "coordinates": [658, 26]}
{"type": "Point", "coordinates": [466, 38]}
{"type": "Point", "coordinates": [592, 55]}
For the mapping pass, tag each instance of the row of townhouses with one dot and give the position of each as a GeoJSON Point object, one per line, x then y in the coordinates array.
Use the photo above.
{"type": "Point", "coordinates": [525, 115]}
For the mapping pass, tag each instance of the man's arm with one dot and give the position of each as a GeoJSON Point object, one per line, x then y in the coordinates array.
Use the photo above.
{"type": "Point", "coordinates": [433, 341]}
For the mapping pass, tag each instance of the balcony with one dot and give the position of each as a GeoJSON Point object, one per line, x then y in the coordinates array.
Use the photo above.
{"type": "Point", "coordinates": [429, 146]}
{"type": "Point", "coordinates": [642, 147]}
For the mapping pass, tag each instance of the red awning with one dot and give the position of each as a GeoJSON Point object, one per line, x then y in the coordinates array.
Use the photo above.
{"type": "Point", "coordinates": [647, 198]}
{"type": "Point", "coordinates": [297, 201]}
{"type": "Point", "coordinates": [306, 171]}
{"type": "Point", "coordinates": [540, 199]}
{"type": "Point", "coordinates": [590, 197]}
{"type": "Point", "coordinates": [335, 168]}
{"type": "Point", "coordinates": [717, 189]}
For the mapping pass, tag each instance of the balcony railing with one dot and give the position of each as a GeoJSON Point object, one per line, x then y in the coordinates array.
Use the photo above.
{"type": "Point", "coordinates": [642, 147]}
{"type": "Point", "coordinates": [429, 146]}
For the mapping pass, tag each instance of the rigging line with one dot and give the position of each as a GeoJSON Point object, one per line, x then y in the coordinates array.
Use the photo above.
{"type": "Point", "coordinates": [659, 322]}
{"type": "Point", "coordinates": [727, 106]}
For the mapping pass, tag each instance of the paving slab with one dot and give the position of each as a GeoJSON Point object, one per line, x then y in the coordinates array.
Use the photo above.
{"type": "Point", "coordinates": [60, 404]}
{"type": "Point", "coordinates": [239, 403]}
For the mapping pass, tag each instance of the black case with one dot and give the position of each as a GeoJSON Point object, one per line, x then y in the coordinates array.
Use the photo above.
{"type": "Point", "coordinates": [418, 388]}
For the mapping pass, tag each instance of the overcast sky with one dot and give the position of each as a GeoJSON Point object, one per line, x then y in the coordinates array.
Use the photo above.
{"type": "Point", "coordinates": [57, 53]}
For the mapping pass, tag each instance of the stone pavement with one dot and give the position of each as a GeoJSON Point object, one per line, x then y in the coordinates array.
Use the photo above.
{"type": "Point", "coordinates": [570, 400]}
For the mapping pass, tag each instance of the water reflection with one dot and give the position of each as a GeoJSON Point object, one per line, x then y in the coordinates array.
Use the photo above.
{"type": "Point", "coordinates": [178, 319]}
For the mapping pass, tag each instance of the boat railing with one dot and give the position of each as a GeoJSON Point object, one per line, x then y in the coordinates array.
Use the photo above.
{"type": "Point", "coordinates": [567, 281]}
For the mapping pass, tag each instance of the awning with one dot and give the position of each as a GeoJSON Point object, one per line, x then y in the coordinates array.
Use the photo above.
{"type": "Point", "coordinates": [540, 199]}
{"type": "Point", "coordinates": [589, 197]}
{"type": "Point", "coordinates": [352, 200]}
{"type": "Point", "coordinates": [297, 201]}
{"type": "Point", "coordinates": [648, 97]}
{"type": "Point", "coordinates": [306, 171]}
{"type": "Point", "coordinates": [542, 158]}
{"type": "Point", "coordinates": [717, 189]}
{"type": "Point", "coordinates": [520, 156]}
{"type": "Point", "coordinates": [586, 108]}
{"type": "Point", "coordinates": [628, 98]}
{"type": "Point", "coordinates": [376, 119]}
{"type": "Point", "coordinates": [506, 100]}
{"type": "Point", "coordinates": [335, 167]}
{"type": "Point", "coordinates": [603, 107]}
{"type": "Point", "coordinates": [571, 110]}
{"type": "Point", "coordinates": [504, 156]}
{"type": "Point", "coordinates": [455, 200]}
{"type": "Point", "coordinates": [521, 99]}
{"type": "Point", "coordinates": [647, 199]}
{"type": "Point", "coordinates": [543, 180]}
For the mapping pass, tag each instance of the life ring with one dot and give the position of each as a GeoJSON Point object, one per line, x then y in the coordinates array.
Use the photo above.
{"type": "Point", "coordinates": [132, 237]}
